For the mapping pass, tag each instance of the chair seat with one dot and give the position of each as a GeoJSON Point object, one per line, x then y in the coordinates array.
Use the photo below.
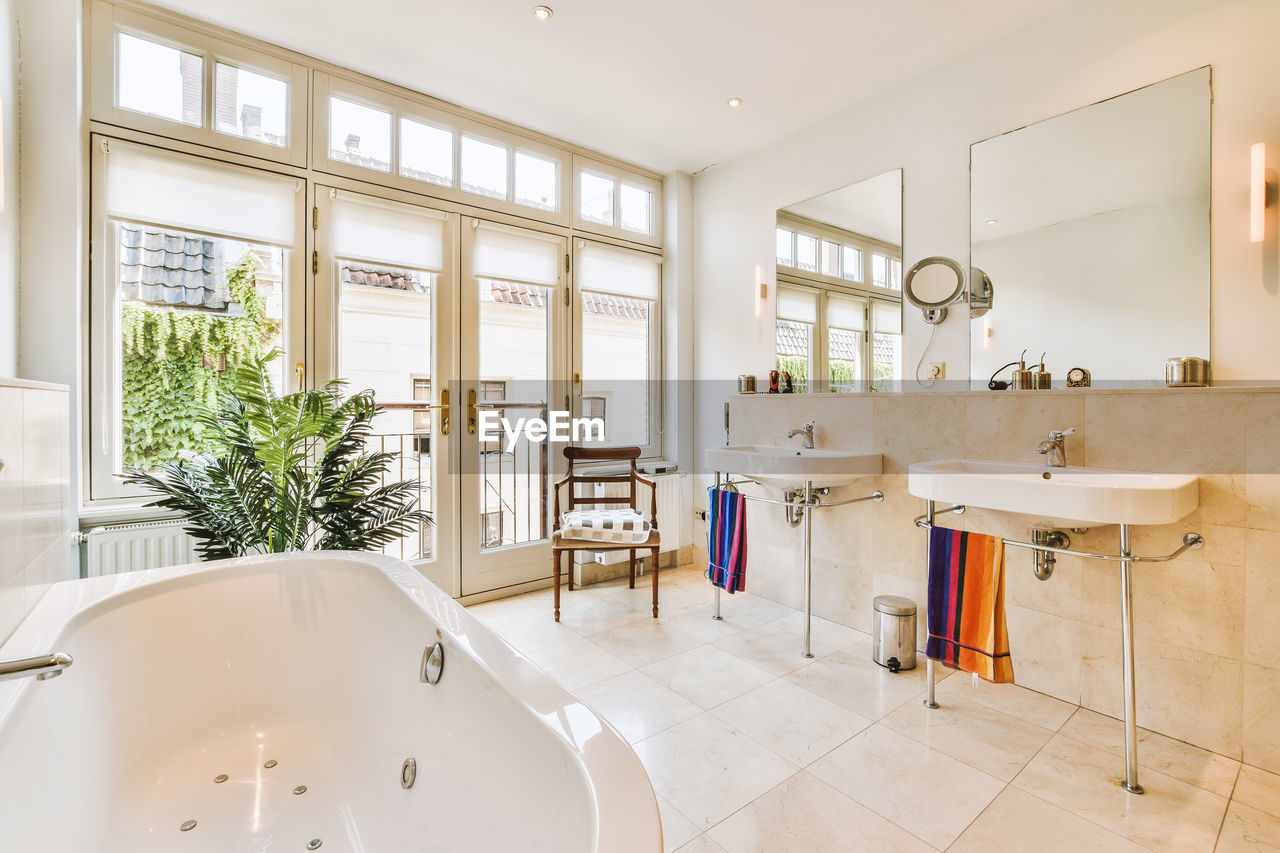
{"type": "Point", "coordinates": [558, 541]}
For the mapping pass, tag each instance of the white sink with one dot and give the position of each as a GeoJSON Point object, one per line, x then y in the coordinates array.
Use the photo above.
{"type": "Point", "coordinates": [789, 467]}
{"type": "Point", "coordinates": [1062, 497]}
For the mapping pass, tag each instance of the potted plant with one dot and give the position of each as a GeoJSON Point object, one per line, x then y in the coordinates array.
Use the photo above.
{"type": "Point", "coordinates": [285, 473]}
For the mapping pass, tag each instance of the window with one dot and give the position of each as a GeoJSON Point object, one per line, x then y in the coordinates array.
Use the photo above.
{"type": "Point", "coordinates": [484, 168]}
{"type": "Point", "coordinates": [178, 307]}
{"type": "Point", "coordinates": [635, 209]}
{"type": "Point", "coordinates": [618, 292]}
{"type": "Point", "coordinates": [617, 203]}
{"type": "Point", "coordinates": [886, 329]}
{"type": "Point", "coordinates": [786, 247]}
{"type": "Point", "coordinates": [421, 393]}
{"type": "Point", "coordinates": [359, 134]}
{"type": "Point", "coordinates": [158, 80]}
{"type": "Point", "coordinates": [426, 152]}
{"type": "Point", "coordinates": [846, 341]}
{"type": "Point", "coordinates": [886, 271]}
{"type": "Point", "coordinates": [831, 259]}
{"type": "Point", "coordinates": [536, 181]}
{"type": "Point", "coordinates": [797, 317]}
{"type": "Point", "coordinates": [251, 105]}
{"type": "Point", "coordinates": [596, 198]}
{"type": "Point", "coordinates": [493, 528]}
{"type": "Point", "coordinates": [806, 252]}
{"type": "Point", "coordinates": [851, 263]}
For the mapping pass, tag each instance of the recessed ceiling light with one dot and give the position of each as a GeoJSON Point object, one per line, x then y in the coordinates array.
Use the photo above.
{"type": "Point", "coordinates": [992, 221]}
{"type": "Point", "coordinates": [542, 13]}
{"type": "Point", "coordinates": [735, 102]}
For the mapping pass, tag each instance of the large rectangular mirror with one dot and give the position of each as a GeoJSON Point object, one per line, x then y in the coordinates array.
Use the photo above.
{"type": "Point", "coordinates": [1093, 228]}
{"type": "Point", "coordinates": [839, 305]}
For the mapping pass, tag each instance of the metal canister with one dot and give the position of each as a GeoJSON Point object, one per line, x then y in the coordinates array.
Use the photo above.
{"type": "Point", "coordinates": [1186, 372]}
{"type": "Point", "coordinates": [893, 632]}
{"type": "Point", "coordinates": [746, 384]}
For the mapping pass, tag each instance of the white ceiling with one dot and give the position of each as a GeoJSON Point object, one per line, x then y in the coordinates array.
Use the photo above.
{"type": "Point", "coordinates": [872, 207]}
{"type": "Point", "coordinates": [645, 82]}
{"type": "Point", "coordinates": [1145, 147]}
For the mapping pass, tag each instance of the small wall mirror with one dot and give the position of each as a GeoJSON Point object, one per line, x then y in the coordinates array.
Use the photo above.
{"type": "Point", "coordinates": [839, 287]}
{"type": "Point", "coordinates": [932, 284]}
{"type": "Point", "coordinates": [1094, 229]}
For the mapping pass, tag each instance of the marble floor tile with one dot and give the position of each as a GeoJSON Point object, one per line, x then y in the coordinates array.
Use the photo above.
{"type": "Point", "coordinates": [746, 604]}
{"type": "Point", "coordinates": [827, 637]}
{"type": "Point", "coordinates": [576, 662]}
{"type": "Point", "coordinates": [990, 740]}
{"type": "Point", "coordinates": [1039, 708]}
{"type": "Point", "coordinates": [641, 598]}
{"type": "Point", "coordinates": [701, 844]}
{"type": "Point", "coordinates": [1085, 781]}
{"type": "Point", "coordinates": [587, 613]}
{"type": "Point", "coordinates": [1259, 789]}
{"type": "Point", "coordinates": [677, 830]}
{"type": "Point", "coordinates": [803, 815]}
{"type": "Point", "coordinates": [929, 794]}
{"type": "Point", "coordinates": [1017, 821]}
{"type": "Point", "coordinates": [637, 705]}
{"type": "Point", "coordinates": [1191, 764]}
{"type": "Point", "coordinates": [698, 622]}
{"type": "Point", "coordinates": [791, 721]}
{"type": "Point", "coordinates": [774, 651]}
{"type": "Point", "coordinates": [852, 679]}
{"type": "Point", "coordinates": [644, 641]}
{"type": "Point", "coordinates": [707, 676]}
{"type": "Point", "coordinates": [530, 631]}
{"type": "Point", "coordinates": [1248, 830]}
{"type": "Point", "coordinates": [707, 770]}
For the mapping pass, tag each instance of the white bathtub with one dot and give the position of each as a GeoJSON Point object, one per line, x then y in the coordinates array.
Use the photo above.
{"type": "Point", "coordinates": [311, 661]}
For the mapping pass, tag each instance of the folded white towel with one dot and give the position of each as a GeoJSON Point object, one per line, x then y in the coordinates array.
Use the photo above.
{"type": "Point", "coordinates": [625, 526]}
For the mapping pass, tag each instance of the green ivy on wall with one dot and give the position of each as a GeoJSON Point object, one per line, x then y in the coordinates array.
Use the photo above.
{"type": "Point", "coordinates": [174, 360]}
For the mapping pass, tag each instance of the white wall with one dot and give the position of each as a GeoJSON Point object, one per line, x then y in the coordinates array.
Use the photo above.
{"type": "Point", "coordinates": [1090, 51]}
{"type": "Point", "coordinates": [1147, 263]}
{"type": "Point", "coordinates": [9, 175]}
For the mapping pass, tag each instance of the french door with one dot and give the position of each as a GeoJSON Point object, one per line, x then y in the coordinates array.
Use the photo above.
{"type": "Point", "coordinates": [513, 319]}
{"type": "Point", "coordinates": [385, 318]}
{"type": "Point", "coordinates": [450, 321]}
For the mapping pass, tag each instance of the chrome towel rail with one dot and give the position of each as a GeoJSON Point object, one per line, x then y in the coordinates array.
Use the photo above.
{"type": "Point", "coordinates": [43, 667]}
{"type": "Point", "coordinates": [1190, 542]}
{"type": "Point", "coordinates": [877, 496]}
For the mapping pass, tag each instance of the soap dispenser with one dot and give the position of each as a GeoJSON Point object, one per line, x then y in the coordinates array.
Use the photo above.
{"type": "Point", "coordinates": [1042, 379]}
{"type": "Point", "coordinates": [1023, 380]}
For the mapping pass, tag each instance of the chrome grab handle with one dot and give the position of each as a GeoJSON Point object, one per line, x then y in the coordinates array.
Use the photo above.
{"type": "Point", "coordinates": [43, 667]}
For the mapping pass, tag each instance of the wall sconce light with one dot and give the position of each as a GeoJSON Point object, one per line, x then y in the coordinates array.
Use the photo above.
{"type": "Point", "coordinates": [1258, 192]}
{"type": "Point", "coordinates": [762, 291]}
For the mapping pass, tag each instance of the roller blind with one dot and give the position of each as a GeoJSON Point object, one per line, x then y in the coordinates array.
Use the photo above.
{"type": "Point", "coordinates": [798, 305]}
{"type": "Point", "coordinates": [844, 312]}
{"type": "Point", "coordinates": [620, 271]}
{"type": "Point", "coordinates": [888, 317]}
{"type": "Point", "coordinates": [515, 255]}
{"type": "Point", "coordinates": [399, 235]}
{"type": "Point", "coordinates": [193, 194]}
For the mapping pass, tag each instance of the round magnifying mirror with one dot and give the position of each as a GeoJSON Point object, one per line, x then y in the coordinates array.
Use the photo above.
{"type": "Point", "coordinates": [932, 284]}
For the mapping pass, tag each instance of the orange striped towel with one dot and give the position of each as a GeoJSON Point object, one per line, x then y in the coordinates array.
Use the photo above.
{"type": "Point", "coordinates": [967, 629]}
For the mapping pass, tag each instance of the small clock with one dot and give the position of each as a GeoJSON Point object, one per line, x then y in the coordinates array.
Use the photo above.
{"type": "Point", "coordinates": [1078, 377]}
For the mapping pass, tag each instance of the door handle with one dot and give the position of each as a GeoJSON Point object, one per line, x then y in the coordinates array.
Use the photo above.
{"type": "Point", "coordinates": [301, 370]}
{"type": "Point", "coordinates": [471, 411]}
{"type": "Point", "coordinates": [444, 411]}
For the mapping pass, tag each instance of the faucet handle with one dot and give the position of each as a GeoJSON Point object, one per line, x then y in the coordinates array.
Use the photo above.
{"type": "Point", "coordinates": [1058, 435]}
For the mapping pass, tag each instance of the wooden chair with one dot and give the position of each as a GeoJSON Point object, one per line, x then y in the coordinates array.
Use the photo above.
{"type": "Point", "coordinates": [560, 544]}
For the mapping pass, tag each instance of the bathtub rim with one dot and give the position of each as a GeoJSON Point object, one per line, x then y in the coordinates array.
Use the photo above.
{"type": "Point", "coordinates": [625, 804]}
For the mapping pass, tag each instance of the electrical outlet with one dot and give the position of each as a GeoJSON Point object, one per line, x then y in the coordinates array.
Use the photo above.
{"type": "Point", "coordinates": [937, 370]}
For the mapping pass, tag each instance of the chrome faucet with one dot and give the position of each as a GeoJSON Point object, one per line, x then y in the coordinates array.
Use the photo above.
{"type": "Point", "coordinates": [1056, 447]}
{"type": "Point", "coordinates": [807, 432]}
{"type": "Point", "coordinates": [43, 667]}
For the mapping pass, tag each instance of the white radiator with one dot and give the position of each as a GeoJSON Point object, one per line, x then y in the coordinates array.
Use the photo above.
{"type": "Point", "coordinates": [121, 548]}
{"type": "Point", "coordinates": [674, 523]}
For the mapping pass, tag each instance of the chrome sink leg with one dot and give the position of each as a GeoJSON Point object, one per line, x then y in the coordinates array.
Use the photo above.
{"type": "Point", "coordinates": [930, 701]}
{"type": "Point", "coordinates": [808, 564]}
{"type": "Point", "coordinates": [1130, 694]}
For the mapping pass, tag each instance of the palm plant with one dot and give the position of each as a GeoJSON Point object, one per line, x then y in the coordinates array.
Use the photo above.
{"type": "Point", "coordinates": [285, 473]}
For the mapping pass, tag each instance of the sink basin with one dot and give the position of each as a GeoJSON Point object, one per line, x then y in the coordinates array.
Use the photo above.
{"type": "Point", "coordinates": [789, 467]}
{"type": "Point", "coordinates": [1061, 497]}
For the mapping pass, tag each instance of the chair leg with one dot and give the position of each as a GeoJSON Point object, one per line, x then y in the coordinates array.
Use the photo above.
{"type": "Point", "coordinates": [555, 571]}
{"type": "Point", "coordinates": [570, 571]}
{"type": "Point", "coordinates": [631, 567]}
{"type": "Point", "coordinates": [653, 570]}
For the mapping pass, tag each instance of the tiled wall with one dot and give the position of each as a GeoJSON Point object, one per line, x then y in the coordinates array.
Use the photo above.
{"type": "Point", "coordinates": [35, 497]}
{"type": "Point", "coordinates": [1207, 624]}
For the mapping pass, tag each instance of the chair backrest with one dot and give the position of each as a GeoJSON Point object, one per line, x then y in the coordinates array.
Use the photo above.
{"type": "Point", "coordinates": [604, 454]}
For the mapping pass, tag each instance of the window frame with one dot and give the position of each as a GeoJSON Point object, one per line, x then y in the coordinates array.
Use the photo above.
{"type": "Point", "coordinates": [652, 448]}
{"type": "Point", "coordinates": [619, 176]}
{"type": "Point", "coordinates": [103, 488]}
{"type": "Point", "coordinates": [108, 20]}
{"type": "Point", "coordinates": [327, 85]}
{"type": "Point", "coordinates": [825, 233]}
